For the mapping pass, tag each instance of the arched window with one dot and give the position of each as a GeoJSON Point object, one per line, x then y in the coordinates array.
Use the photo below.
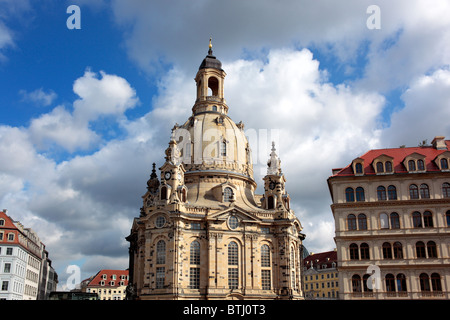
{"type": "Point", "coordinates": [431, 249]}
{"type": "Point", "coordinates": [223, 148]}
{"type": "Point", "coordinates": [213, 84]}
{"type": "Point", "coordinates": [398, 250]}
{"type": "Point", "coordinates": [270, 202]}
{"type": "Point", "coordinates": [388, 166]}
{"type": "Point", "coordinates": [387, 252]}
{"type": "Point", "coordinates": [395, 220]}
{"type": "Point", "coordinates": [380, 167]}
{"type": "Point", "coordinates": [233, 262]}
{"type": "Point", "coordinates": [365, 287]}
{"type": "Point", "coordinates": [349, 194]}
{"type": "Point", "coordinates": [420, 249]}
{"type": "Point", "coordinates": [427, 219]}
{"type": "Point", "coordinates": [420, 165]}
{"type": "Point", "coordinates": [265, 267]}
{"type": "Point", "coordinates": [411, 165]}
{"type": "Point", "coordinates": [384, 221]}
{"type": "Point", "coordinates": [446, 189]}
{"type": "Point", "coordinates": [351, 222]}
{"type": "Point", "coordinates": [424, 282]}
{"type": "Point", "coordinates": [390, 282]}
{"type": "Point", "coordinates": [360, 194]}
{"type": "Point", "coordinates": [233, 254]}
{"type": "Point", "coordinates": [227, 194]}
{"type": "Point", "coordinates": [392, 193]}
{"type": "Point", "coordinates": [436, 282]}
{"type": "Point", "coordinates": [417, 219]}
{"type": "Point", "coordinates": [413, 192]}
{"type": "Point", "coordinates": [424, 191]}
{"type": "Point", "coordinates": [362, 221]}
{"type": "Point", "coordinates": [265, 256]}
{"type": "Point", "coordinates": [401, 283]}
{"type": "Point", "coordinates": [365, 255]}
{"type": "Point", "coordinates": [163, 193]}
{"type": "Point", "coordinates": [195, 252]}
{"type": "Point", "coordinates": [444, 164]}
{"type": "Point", "coordinates": [183, 195]}
{"type": "Point", "coordinates": [381, 193]}
{"type": "Point", "coordinates": [214, 108]}
{"type": "Point", "coordinates": [161, 252]}
{"type": "Point", "coordinates": [356, 283]}
{"type": "Point", "coordinates": [358, 168]}
{"type": "Point", "coordinates": [354, 252]}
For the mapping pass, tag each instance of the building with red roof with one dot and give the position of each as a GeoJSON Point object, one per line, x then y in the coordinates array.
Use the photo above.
{"type": "Point", "coordinates": [26, 272]}
{"type": "Point", "coordinates": [392, 221]}
{"type": "Point", "coordinates": [320, 275]}
{"type": "Point", "coordinates": [109, 284]}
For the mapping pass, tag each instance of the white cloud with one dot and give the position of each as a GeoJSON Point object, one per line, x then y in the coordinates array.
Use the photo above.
{"type": "Point", "coordinates": [425, 112]}
{"type": "Point", "coordinates": [107, 96]}
{"type": "Point", "coordinates": [38, 96]}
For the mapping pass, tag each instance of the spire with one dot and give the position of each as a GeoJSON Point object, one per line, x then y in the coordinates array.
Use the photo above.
{"type": "Point", "coordinates": [210, 47]}
{"type": "Point", "coordinates": [274, 163]}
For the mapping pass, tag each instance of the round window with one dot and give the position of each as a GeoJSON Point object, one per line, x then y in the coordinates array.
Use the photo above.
{"type": "Point", "coordinates": [233, 222]}
{"type": "Point", "coordinates": [160, 221]}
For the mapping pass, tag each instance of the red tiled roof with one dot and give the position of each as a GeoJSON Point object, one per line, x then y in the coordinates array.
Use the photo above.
{"type": "Point", "coordinates": [398, 155]}
{"type": "Point", "coordinates": [99, 277]}
{"type": "Point", "coordinates": [321, 258]}
{"type": "Point", "coordinates": [9, 227]}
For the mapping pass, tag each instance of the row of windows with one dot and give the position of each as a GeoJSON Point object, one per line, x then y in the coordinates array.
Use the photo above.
{"type": "Point", "coordinates": [233, 263]}
{"type": "Point", "coordinates": [415, 192]}
{"type": "Point", "coordinates": [395, 251]}
{"type": "Point", "coordinates": [398, 283]}
{"type": "Point", "coordinates": [413, 165]}
{"type": "Point", "coordinates": [392, 221]}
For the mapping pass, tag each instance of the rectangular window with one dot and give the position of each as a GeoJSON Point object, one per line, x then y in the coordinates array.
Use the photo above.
{"type": "Point", "coordinates": [5, 285]}
{"type": "Point", "coordinates": [233, 278]}
{"type": "Point", "coordinates": [9, 251]}
{"type": "Point", "coordinates": [160, 277]}
{"type": "Point", "coordinates": [194, 278]}
{"type": "Point", "coordinates": [195, 226]}
{"type": "Point", "coordinates": [265, 279]}
{"type": "Point", "coordinates": [7, 268]}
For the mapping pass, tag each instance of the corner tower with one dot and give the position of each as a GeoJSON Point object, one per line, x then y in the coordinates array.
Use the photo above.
{"type": "Point", "coordinates": [202, 232]}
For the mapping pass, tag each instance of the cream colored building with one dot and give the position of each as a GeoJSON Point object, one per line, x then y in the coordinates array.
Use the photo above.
{"type": "Point", "coordinates": [320, 276]}
{"type": "Point", "coordinates": [202, 232]}
{"type": "Point", "coordinates": [392, 219]}
{"type": "Point", "coordinates": [108, 284]}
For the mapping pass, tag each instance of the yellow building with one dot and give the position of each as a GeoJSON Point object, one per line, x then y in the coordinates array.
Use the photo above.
{"type": "Point", "coordinates": [202, 232]}
{"type": "Point", "coordinates": [391, 209]}
{"type": "Point", "coordinates": [320, 276]}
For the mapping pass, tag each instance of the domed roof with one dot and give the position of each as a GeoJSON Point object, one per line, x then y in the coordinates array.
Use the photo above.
{"type": "Point", "coordinates": [210, 61]}
{"type": "Point", "coordinates": [211, 141]}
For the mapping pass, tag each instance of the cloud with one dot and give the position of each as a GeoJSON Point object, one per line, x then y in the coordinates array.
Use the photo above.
{"type": "Point", "coordinates": [99, 98]}
{"type": "Point", "coordinates": [38, 96]}
{"type": "Point", "coordinates": [425, 112]}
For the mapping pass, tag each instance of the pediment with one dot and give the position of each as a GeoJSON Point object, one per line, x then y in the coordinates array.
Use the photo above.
{"type": "Point", "coordinates": [237, 211]}
{"type": "Point", "coordinates": [382, 157]}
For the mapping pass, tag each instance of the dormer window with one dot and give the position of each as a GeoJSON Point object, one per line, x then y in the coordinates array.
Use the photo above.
{"type": "Point", "coordinates": [443, 160]}
{"type": "Point", "coordinates": [383, 164]}
{"type": "Point", "coordinates": [415, 162]}
{"type": "Point", "coordinates": [358, 166]}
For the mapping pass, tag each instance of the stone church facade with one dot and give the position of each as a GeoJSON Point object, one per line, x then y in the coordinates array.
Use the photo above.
{"type": "Point", "coordinates": [202, 232]}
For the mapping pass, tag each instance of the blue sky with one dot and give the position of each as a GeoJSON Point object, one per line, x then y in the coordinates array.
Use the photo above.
{"type": "Point", "coordinates": [85, 112]}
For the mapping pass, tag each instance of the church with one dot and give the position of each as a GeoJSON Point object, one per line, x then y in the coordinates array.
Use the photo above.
{"type": "Point", "coordinates": [202, 232]}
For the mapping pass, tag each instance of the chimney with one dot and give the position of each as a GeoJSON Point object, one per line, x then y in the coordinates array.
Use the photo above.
{"type": "Point", "coordinates": [439, 143]}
